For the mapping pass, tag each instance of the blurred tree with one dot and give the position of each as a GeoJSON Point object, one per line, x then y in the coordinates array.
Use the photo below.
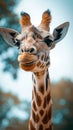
{"type": "Point", "coordinates": [63, 105]}
{"type": "Point", "coordinates": [9, 18]}
{"type": "Point", "coordinates": [62, 109]}
{"type": "Point", "coordinates": [13, 112]}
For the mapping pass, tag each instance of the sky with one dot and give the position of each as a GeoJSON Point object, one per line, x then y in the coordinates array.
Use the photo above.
{"type": "Point", "coordinates": [61, 56]}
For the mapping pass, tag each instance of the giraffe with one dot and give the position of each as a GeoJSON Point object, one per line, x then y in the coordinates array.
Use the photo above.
{"type": "Point", "coordinates": [34, 44]}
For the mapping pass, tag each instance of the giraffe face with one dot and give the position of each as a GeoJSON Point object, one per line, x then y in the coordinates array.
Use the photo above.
{"type": "Point", "coordinates": [34, 51]}
{"type": "Point", "coordinates": [34, 43]}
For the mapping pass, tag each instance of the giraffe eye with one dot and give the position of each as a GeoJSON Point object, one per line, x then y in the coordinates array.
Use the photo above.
{"type": "Point", "coordinates": [48, 41]}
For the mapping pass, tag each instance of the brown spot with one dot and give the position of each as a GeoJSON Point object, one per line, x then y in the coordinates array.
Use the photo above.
{"type": "Point", "coordinates": [32, 94]}
{"type": "Point", "coordinates": [35, 90]}
{"type": "Point", "coordinates": [40, 127]}
{"type": "Point", "coordinates": [49, 112]}
{"type": "Point", "coordinates": [42, 65]}
{"type": "Point", "coordinates": [46, 83]}
{"type": "Point", "coordinates": [48, 97]}
{"type": "Point", "coordinates": [34, 106]}
{"type": "Point", "coordinates": [41, 112]}
{"type": "Point", "coordinates": [39, 74]}
{"type": "Point", "coordinates": [41, 89]}
{"type": "Point", "coordinates": [42, 57]}
{"type": "Point", "coordinates": [48, 63]}
{"type": "Point", "coordinates": [39, 63]}
{"type": "Point", "coordinates": [35, 117]}
{"type": "Point", "coordinates": [44, 104]}
{"type": "Point", "coordinates": [45, 119]}
{"type": "Point", "coordinates": [47, 116]}
{"type": "Point", "coordinates": [38, 99]}
{"type": "Point", "coordinates": [32, 77]}
{"type": "Point", "coordinates": [34, 81]}
{"type": "Point", "coordinates": [49, 128]}
{"type": "Point", "coordinates": [31, 125]}
{"type": "Point", "coordinates": [46, 100]}
{"type": "Point", "coordinates": [47, 75]}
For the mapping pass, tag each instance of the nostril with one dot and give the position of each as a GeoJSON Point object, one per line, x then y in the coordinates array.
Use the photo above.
{"type": "Point", "coordinates": [22, 50]}
{"type": "Point", "coordinates": [33, 50]}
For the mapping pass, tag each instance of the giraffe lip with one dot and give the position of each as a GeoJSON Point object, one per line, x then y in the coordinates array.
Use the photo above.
{"type": "Point", "coordinates": [27, 60]}
{"type": "Point", "coordinates": [28, 63]}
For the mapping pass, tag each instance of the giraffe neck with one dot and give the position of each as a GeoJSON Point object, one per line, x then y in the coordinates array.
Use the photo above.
{"type": "Point", "coordinates": [41, 112]}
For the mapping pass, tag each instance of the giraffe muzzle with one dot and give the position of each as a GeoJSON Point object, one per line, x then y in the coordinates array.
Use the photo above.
{"type": "Point", "coordinates": [27, 61]}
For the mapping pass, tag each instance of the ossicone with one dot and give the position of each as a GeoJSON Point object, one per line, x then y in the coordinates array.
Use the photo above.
{"type": "Point", "coordinates": [25, 19]}
{"type": "Point", "coordinates": [46, 19]}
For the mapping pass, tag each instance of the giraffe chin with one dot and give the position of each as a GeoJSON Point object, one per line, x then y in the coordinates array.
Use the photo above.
{"type": "Point", "coordinates": [27, 67]}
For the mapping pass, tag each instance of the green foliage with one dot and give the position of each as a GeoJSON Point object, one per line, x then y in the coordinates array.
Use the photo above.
{"type": "Point", "coordinates": [8, 18]}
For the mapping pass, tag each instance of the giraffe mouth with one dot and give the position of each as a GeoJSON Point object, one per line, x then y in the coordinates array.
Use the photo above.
{"type": "Point", "coordinates": [29, 66]}
{"type": "Point", "coordinates": [28, 63]}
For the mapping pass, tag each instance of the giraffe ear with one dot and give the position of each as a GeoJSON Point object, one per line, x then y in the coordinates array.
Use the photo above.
{"type": "Point", "coordinates": [9, 35]}
{"type": "Point", "coordinates": [60, 32]}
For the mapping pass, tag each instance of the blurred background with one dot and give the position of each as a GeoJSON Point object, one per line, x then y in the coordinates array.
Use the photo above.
{"type": "Point", "coordinates": [16, 84]}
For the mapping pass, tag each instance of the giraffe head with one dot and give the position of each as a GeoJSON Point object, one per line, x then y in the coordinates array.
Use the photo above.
{"type": "Point", "coordinates": [33, 42]}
